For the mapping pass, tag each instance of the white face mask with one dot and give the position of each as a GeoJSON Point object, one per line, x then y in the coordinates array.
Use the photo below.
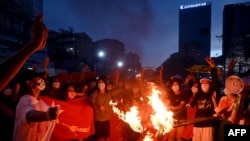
{"type": "Point", "coordinates": [101, 86]}
{"type": "Point", "coordinates": [175, 88]}
{"type": "Point", "coordinates": [205, 87]}
{"type": "Point", "coordinates": [40, 84]}
{"type": "Point", "coordinates": [7, 92]}
{"type": "Point", "coordinates": [56, 85]}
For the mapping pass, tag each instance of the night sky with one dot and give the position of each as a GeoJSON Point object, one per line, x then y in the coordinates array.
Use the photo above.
{"type": "Point", "coordinates": [148, 28]}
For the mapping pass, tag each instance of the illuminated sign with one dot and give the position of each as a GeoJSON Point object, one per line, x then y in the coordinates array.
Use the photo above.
{"type": "Point", "coordinates": [193, 5]}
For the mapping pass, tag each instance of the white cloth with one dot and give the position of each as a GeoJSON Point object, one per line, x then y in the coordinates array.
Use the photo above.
{"type": "Point", "coordinates": [35, 131]}
{"type": "Point", "coordinates": [203, 134]}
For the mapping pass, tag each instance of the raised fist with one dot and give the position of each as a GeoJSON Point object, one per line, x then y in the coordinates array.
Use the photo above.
{"type": "Point", "coordinates": [52, 113]}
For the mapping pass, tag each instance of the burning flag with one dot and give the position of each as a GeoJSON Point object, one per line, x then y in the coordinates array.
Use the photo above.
{"type": "Point", "coordinates": [159, 117]}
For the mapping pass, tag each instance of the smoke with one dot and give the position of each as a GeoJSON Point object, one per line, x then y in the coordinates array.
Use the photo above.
{"type": "Point", "coordinates": [128, 21]}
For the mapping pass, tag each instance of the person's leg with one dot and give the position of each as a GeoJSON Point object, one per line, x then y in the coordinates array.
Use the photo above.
{"type": "Point", "coordinates": [98, 130]}
{"type": "Point", "coordinates": [207, 134]}
{"type": "Point", "coordinates": [171, 135]}
{"type": "Point", "coordinates": [179, 133]}
{"type": "Point", "coordinates": [196, 134]}
{"type": "Point", "coordinates": [106, 130]}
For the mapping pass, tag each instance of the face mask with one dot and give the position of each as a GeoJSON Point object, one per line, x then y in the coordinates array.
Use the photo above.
{"type": "Point", "coordinates": [101, 86]}
{"type": "Point", "coordinates": [205, 87]}
{"type": "Point", "coordinates": [56, 85]}
{"type": "Point", "coordinates": [40, 84]}
{"type": "Point", "coordinates": [194, 89]}
{"type": "Point", "coordinates": [175, 88]}
{"type": "Point", "coordinates": [7, 92]}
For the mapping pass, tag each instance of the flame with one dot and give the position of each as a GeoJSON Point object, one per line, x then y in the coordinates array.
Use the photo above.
{"type": "Point", "coordinates": [160, 117]}
{"type": "Point", "coordinates": [131, 117]}
{"type": "Point", "coordinates": [148, 137]}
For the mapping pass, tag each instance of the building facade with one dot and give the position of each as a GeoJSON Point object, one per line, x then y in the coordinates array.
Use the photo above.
{"type": "Point", "coordinates": [195, 30]}
{"type": "Point", "coordinates": [16, 20]}
{"type": "Point", "coordinates": [236, 35]}
{"type": "Point", "coordinates": [70, 51]}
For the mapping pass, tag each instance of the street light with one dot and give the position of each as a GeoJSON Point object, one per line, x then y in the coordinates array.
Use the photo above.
{"type": "Point", "coordinates": [101, 54]}
{"type": "Point", "coordinates": [119, 63]}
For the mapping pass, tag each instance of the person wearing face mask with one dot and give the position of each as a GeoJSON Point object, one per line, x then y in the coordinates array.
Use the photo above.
{"type": "Point", "coordinates": [194, 89]}
{"type": "Point", "coordinates": [204, 102]}
{"type": "Point", "coordinates": [69, 92]}
{"type": "Point", "coordinates": [54, 89]}
{"type": "Point", "coordinates": [35, 120]}
{"type": "Point", "coordinates": [176, 102]}
{"type": "Point", "coordinates": [102, 109]}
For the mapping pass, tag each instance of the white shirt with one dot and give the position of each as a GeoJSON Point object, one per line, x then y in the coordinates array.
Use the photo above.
{"type": "Point", "coordinates": [32, 131]}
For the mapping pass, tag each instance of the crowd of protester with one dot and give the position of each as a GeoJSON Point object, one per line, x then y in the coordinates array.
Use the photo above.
{"type": "Point", "coordinates": [22, 113]}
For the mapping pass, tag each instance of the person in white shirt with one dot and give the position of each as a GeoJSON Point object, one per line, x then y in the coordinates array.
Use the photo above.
{"type": "Point", "coordinates": [35, 120]}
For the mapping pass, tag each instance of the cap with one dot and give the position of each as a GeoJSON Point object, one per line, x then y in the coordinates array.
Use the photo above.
{"type": "Point", "coordinates": [205, 79]}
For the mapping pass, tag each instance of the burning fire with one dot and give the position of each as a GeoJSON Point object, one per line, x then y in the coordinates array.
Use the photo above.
{"type": "Point", "coordinates": [130, 117]}
{"type": "Point", "coordinates": [160, 117]}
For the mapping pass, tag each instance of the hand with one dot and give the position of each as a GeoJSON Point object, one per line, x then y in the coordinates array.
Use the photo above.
{"type": "Point", "coordinates": [102, 108]}
{"type": "Point", "coordinates": [232, 63]}
{"type": "Point", "coordinates": [171, 108]}
{"type": "Point", "coordinates": [45, 63]}
{"type": "Point", "coordinates": [216, 109]}
{"type": "Point", "coordinates": [34, 67]}
{"type": "Point", "coordinates": [210, 61]}
{"type": "Point", "coordinates": [39, 34]}
{"type": "Point", "coordinates": [188, 105]}
{"type": "Point", "coordinates": [52, 113]}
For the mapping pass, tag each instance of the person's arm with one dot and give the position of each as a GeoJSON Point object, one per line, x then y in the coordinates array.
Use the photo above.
{"type": "Point", "coordinates": [179, 107]}
{"type": "Point", "coordinates": [45, 68]}
{"type": "Point", "coordinates": [231, 67]}
{"type": "Point", "coordinates": [6, 109]}
{"type": "Point", "coordinates": [16, 92]}
{"type": "Point", "coordinates": [80, 94]}
{"type": "Point", "coordinates": [214, 99]}
{"type": "Point", "coordinates": [161, 76]}
{"type": "Point", "coordinates": [213, 71]}
{"type": "Point", "coordinates": [39, 116]}
{"type": "Point", "coordinates": [37, 42]}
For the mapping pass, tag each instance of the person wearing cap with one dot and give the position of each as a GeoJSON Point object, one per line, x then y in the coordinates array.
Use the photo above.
{"type": "Point", "coordinates": [205, 103]}
{"type": "Point", "coordinates": [35, 120]}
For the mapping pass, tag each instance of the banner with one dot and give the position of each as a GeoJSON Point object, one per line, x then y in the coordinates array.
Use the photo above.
{"type": "Point", "coordinates": [75, 119]}
{"type": "Point", "coordinates": [76, 77]}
